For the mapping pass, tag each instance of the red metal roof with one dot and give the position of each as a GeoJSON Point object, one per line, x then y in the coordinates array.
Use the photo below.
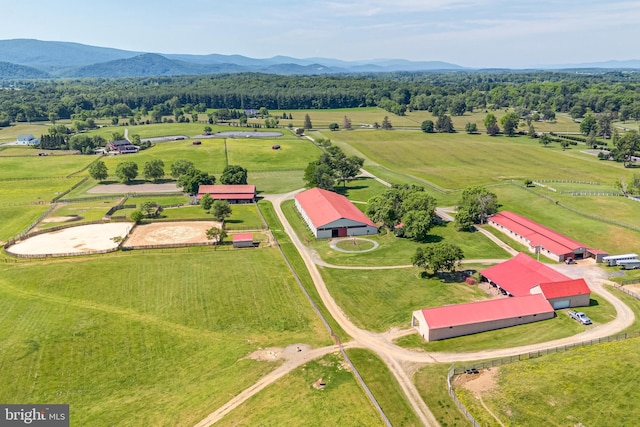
{"type": "Point", "coordinates": [227, 189]}
{"type": "Point", "coordinates": [324, 207]}
{"type": "Point", "coordinates": [567, 288]}
{"type": "Point", "coordinates": [485, 311]}
{"type": "Point", "coordinates": [537, 234]}
{"type": "Point", "coordinates": [243, 237]}
{"type": "Point", "coordinates": [518, 275]}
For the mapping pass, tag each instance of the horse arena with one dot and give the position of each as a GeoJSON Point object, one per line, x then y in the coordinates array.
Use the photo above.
{"type": "Point", "coordinates": [97, 238]}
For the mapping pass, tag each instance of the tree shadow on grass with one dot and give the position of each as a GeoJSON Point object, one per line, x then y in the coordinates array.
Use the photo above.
{"type": "Point", "coordinates": [345, 190]}
{"type": "Point", "coordinates": [593, 302]}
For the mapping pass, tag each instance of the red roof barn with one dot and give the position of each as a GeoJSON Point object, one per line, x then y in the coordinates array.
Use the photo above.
{"type": "Point", "coordinates": [231, 193]}
{"type": "Point", "coordinates": [243, 240]}
{"type": "Point", "coordinates": [540, 238]}
{"type": "Point", "coordinates": [463, 319]}
{"type": "Point", "coordinates": [565, 294]}
{"type": "Point", "coordinates": [329, 214]}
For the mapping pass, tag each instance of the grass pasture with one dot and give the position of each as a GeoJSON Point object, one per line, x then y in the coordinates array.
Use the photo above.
{"type": "Point", "coordinates": [380, 299]}
{"type": "Point", "coordinates": [340, 403]}
{"type": "Point", "coordinates": [455, 161]}
{"type": "Point", "coordinates": [173, 330]}
{"type": "Point", "coordinates": [42, 167]}
{"type": "Point", "coordinates": [15, 219]}
{"type": "Point", "coordinates": [274, 182]}
{"type": "Point", "coordinates": [256, 153]}
{"type": "Point", "coordinates": [209, 156]}
{"type": "Point", "coordinates": [22, 192]}
{"type": "Point", "coordinates": [579, 396]}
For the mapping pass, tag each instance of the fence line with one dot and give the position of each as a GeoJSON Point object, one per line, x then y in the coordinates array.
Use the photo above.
{"type": "Point", "coordinates": [526, 356]}
{"type": "Point", "coordinates": [627, 291]}
{"type": "Point", "coordinates": [73, 187]}
{"type": "Point", "coordinates": [567, 181]}
{"type": "Point", "coordinates": [359, 378]}
{"type": "Point", "coordinates": [576, 211]}
{"type": "Point", "coordinates": [591, 193]}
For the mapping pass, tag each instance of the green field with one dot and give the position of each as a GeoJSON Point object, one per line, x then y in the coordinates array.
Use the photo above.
{"type": "Point", "coordinates": [42, 167]}
{"type": "Point", "coordinates": [15, 219]}
{"type": "Point", "coordinates": [255, 154]}
{"type": "Point", "coordinates": [33, 191]}
{"type": "Point", "coordinates": [293, 401]}
{"type": "Point", "coordinates": [380, 299]}
{"type": "Point", "coordinates": [173, 329]}
{"type": "Point", "coordinates": [592, 386]}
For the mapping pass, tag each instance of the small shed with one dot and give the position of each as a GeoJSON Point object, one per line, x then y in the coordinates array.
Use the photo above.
{"type": "Point", "coordinates": [244, 240]}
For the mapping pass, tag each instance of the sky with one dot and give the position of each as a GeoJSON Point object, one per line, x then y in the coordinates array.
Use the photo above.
{"type": "Point", "coordinates": [471, 33]}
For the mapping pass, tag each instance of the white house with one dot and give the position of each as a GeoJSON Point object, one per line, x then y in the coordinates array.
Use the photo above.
{"type": "Point", "coordinates": [27, 139]}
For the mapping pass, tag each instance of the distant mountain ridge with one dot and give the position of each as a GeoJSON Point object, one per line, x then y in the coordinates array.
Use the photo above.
{"type": "Point", "coordinates": [30, 58]}
{"type": "Point", "coordinates": [66, 59]}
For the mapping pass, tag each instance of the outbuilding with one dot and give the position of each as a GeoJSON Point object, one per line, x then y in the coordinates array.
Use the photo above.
{"type": "Point", "coordinates": [330, 214]}
{"type": "Point", "coordinates": [464, 319]}
{"type": "Point", "coordinates": [244, 240]}
{"type": "Point", "coordinates": [27, 139]}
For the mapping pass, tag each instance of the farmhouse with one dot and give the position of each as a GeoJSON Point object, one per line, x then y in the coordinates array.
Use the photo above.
{"type": "Point", "coordinates": [329, 214]}
{"type": "Point", "coordinates": [122, 147]}
{"type": "Point", "coordinates": [464, 319]}
{"type": "Point", "coordinates": [231, 193]}
{"type": "Point", "coordinates": [540, 239]}
{"type": "Point", "coordinates": [27, 139]}
{"type": "Point", "coordinates": [244, 240]}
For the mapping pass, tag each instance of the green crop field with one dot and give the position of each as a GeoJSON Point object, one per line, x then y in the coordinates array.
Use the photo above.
{"type": "Point", "coordinates": [293, 401]}
{"type": "Point", "coordinates": [593, 386]}
{"type": "Point", "coordinates": [175, 329]}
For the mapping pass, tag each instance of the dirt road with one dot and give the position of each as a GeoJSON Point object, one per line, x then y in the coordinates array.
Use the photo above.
{"type": "Point", "coordinates": [397, 358]}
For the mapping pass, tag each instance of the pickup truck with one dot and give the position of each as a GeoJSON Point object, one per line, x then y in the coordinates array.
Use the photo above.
{"type": "Point", "coordinates": [580, 317]}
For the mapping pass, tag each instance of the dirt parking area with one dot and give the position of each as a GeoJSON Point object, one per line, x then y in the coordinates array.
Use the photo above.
{"type": "Point", "coordinates": [159, 233]}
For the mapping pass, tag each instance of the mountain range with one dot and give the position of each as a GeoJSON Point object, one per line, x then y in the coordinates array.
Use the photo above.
{"type": "Point", "coordinates": [33, 59]}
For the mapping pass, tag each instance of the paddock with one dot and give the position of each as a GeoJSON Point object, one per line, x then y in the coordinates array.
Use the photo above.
{"type": "Point", "coordinates": [73, 240]}
{"type": "Point", "coordinates": [170, 233]}
{"type": "Point", "coordinates": [240, 134]}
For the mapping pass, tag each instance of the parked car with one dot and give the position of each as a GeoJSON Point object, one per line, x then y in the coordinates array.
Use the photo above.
{"type": "Point", "coordinates": [569, 261]}
{"type": "Point", "coordinates": [579, 316]}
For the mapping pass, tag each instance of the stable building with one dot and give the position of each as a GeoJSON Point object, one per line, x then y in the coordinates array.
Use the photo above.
{"type": "Point", "coordinates": [329, 214]}
{"type": "Point", "coordinates": [122, 147]}
{"type": "Point", "coordinates": [235, 194]}
{"type": "Point", "coordinates": [464, 319]}
{"type": "Point", "coordinates": [542, 240]}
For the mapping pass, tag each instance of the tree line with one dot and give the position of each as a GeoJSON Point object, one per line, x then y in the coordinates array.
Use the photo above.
{"type": "Point", "coordinates": [440, 93]}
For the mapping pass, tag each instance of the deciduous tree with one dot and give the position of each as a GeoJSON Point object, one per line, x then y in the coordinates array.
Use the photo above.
{"type": "Point", "coordinates": [438, 257]}
{"type": "Point", "coordinates": [180, 167]}
{"type": "Point", "coordinates": [193, 178]}
{"type": "Point", "coordinates": [98, 170]}
{"type": "Point", "coordinates": [428, 126]}
{"type": "Point", "coordinates": [206, 202]}
{"type": "Point", "coordinates": [220, 209]}
{"type": "Point", "coordinates": [217, 235]}
{"type": "Point", "coordinates": [127, 171]}
{"type": "Point", "coordinates": [153, 170]}
{"type": "Point", "coordinates": [234, 175]}
{"type": "Point", "coordinates": [475, 206]}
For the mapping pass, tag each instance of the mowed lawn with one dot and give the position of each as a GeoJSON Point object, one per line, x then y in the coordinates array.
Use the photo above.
{"type": "Point", "coordinates": [594, 386]}
{"type": "Point", "coordinates": [108, 335]}
{"type": "Point", "coordinates": [380, 299]}
{"type": "Point", "coordinates": [455, 161]}
{"type": "Point", "coordinates": [293, 401]}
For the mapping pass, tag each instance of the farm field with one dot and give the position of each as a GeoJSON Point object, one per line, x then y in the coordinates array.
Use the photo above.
{"type": "Point", "coordinates": [21, 192]}
{"type": "Point", "coordinates": [255, 154]}
{"type": "Point", "coordinates": [133, 333]}
{"type": "Point", "coordinates": [522, 395]}
{"type": "Point", "coordinates": [340, 402]}
{"type": "Point", "coordinates": [15, 219]}
{"type": "Point", "coordinates": [42, 167]}
{"type": "Point", "coordinates": [455, 161]}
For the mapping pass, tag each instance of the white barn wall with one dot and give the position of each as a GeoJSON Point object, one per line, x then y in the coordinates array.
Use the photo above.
{"type": "Point", "coordinates": [306, 218]}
